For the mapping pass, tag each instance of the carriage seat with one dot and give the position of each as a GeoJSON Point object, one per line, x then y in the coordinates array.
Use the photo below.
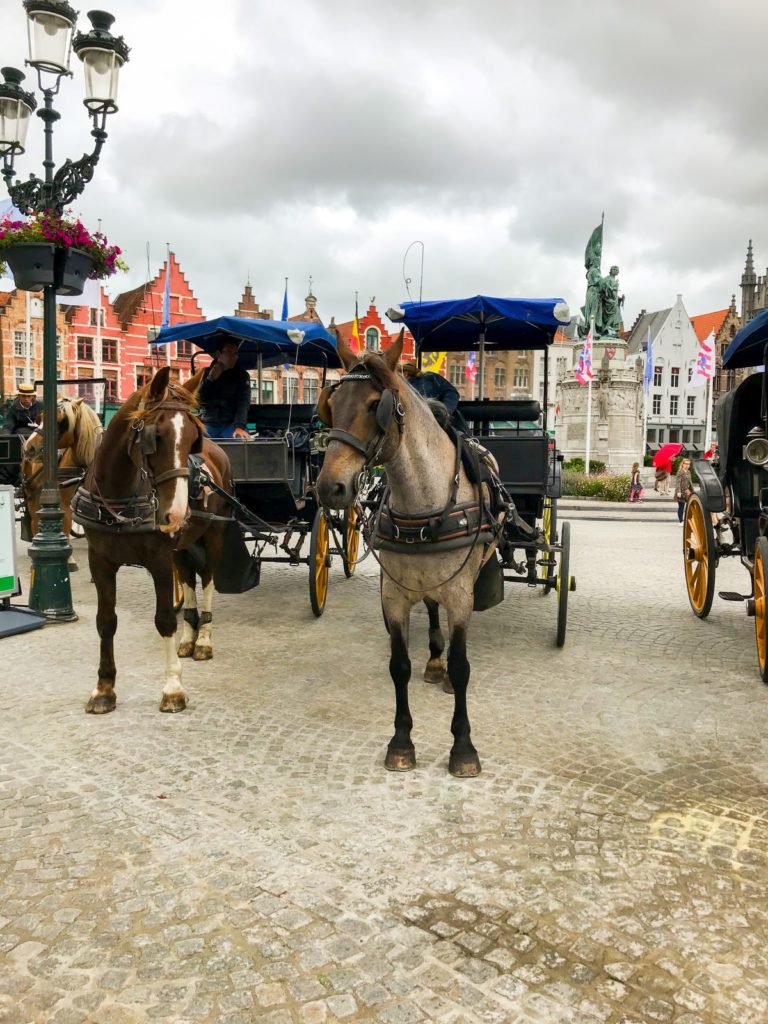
{"type": "Point", "coordinates": [488, 411]}
{"type": "Point", "coordinates": [277, 417]}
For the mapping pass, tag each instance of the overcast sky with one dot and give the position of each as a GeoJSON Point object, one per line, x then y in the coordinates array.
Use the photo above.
{"type": "Point", "coordinates": [321, 137]}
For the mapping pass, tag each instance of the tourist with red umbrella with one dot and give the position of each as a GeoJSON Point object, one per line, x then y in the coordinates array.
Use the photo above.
{"type": "Point", "coordinates": [662, 460]}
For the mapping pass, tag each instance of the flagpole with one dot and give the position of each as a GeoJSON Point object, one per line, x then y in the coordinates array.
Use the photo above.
{"type": "Point", "coordinates": [708, 429]}
{"type": "Point", "coordinates": [589, 403]}
{"type": "Point", "coordinates": [97, 357]}
{"type": "Point", "coordinates": [648, 369]}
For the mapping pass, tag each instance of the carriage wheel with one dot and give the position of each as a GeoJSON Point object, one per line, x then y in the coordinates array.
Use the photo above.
{"type": "Point", "coordinates": [178, 591]}
{"type": "Point", "coordinates": [699, 556]}
{"type": "Point", "coordinates": [564, 583]}
{"type": "Point", "coordinates": [351, 541]}
{"type": "Point", "coordinates": [549, 526]}
{"type": "Point", "coordinates": [319, 561]}
{"type": "Point", "coordinates": [761, 612]}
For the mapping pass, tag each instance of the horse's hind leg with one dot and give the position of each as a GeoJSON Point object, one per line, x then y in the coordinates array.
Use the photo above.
{"type": "Point", "coordinates": [401, 754]}
{"type": "Point", "coordinates": [174, 698]}
{"type": "Point", "coordinates": [435, 670]}
{"type": "Point", "coordinates": [463, 762]}
{"type": "Point", "coordinates": [104, 574]}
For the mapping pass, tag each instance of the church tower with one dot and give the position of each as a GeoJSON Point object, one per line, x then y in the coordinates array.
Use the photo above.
{"type": "Point", "coordinates": [748, 287]}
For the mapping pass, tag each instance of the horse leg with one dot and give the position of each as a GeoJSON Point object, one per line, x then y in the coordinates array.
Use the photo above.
{"type": "Point", "coordinates": [174, 698]}
{"type": "Point", "coordinates": [463, 762]}
{"type": "Point", "coordinates": [203, 648]}
{"type": "Point", "coordinates": [67, 527]}
{"type": "Point", "coordinates": [435, 670]}
{"type": "Point", "coordinates": [104, 573]}
{"type": "Point", "coordinates": [401, 754]}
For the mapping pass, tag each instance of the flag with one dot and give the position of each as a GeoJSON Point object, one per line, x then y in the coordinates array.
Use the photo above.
{"type": "Point", "coordinates": [284, 314]}
{"type": "Point", "coordinates": [90, 296]}
{"type": "Point", "coordinates": [470, 370]}
{"type": "Point", "coordinates": [702, 371]}
{"type": "Point", "coordinates": [356, 331]}
{"type": "Point", "coordinates": [584, 372]}
{"type": "Point", "coordinates": [433, 361]}
{"type": "Point", "coordinates": [166, 321]}
{"type": "Point", "coordinates": [648, 374]}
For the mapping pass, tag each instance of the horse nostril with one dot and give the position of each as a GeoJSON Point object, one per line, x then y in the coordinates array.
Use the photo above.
{"type": "Point", "coordinates": [339, 489]}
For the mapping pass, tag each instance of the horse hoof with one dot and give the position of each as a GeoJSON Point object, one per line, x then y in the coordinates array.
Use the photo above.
{"type": "Point", "coordinates": [464, 766]}
{"type": "Point", "coordinates": [186, 650]}
{"type": "Point", "coordinates": [447, 684]}
{"type": "Point", "coordinates": [203, 653]}
{"type": "Point", "coordinates": [435, 673]}
{"type": "Point", "coordinates": [173, 702]}
{"type": "Point", "coordinates": [400, 760]}
{"type": "Point", "coordinates": [73, 566]}
{"type": "Point", "coordinates": [101, 704]}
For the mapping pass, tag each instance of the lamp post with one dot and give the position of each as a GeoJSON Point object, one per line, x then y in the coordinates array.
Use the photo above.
{"type": "Point", "coordinates": [51, 25]}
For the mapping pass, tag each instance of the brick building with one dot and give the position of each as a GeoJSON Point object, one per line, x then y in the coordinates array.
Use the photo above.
{"type": "Point", "coordinates": [14, 341]}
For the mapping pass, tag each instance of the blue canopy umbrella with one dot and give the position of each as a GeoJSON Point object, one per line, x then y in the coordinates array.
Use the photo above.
{"type": "Point", "coordinates": [748, 346]}
{"type": "Point", "coordinates": [261, 343]}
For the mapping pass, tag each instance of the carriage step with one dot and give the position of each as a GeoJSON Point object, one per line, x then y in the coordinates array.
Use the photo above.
{"type": "Point", "coordinates": [731, 595]}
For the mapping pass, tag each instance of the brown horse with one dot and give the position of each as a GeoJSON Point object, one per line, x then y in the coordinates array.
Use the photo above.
{"type": "Point", "coordinates": [78, 429]}
{"type": "Point", "coordinates": [136, 508]}
{"type": "Point", "coordinates": [377, 418]}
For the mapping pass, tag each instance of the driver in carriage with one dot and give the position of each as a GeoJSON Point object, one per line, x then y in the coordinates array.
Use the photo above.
{"type": "Point", "coordinates": [433, 386]}
{"type": "Point", "coordinates": [225, 394]}
{"type": "Point", "coordinates": [25, 412]}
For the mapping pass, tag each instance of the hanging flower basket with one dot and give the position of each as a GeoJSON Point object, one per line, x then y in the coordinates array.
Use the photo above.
{"type": "Point", "coordinates": [53, 249]}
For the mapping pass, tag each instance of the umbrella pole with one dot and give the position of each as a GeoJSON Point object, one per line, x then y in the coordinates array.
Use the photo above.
{"type": "Point", "coordinates": [258, 379]}
{"type": "Point", "coordinates": [481, 361]}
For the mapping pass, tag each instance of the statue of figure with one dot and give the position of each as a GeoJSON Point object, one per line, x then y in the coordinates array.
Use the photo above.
{"type": "Point", "coordinates": [602, 404]}
{"type": "Point", "coordinates": [592, 254]}
{"type": "Point", "coordinates": [610, 305]}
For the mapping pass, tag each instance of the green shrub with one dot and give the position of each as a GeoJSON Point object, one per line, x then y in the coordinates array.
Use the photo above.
{"type": "Point", "coordinates": [578, 465]}
{"type": "Point", "coordinates": [603, 486]}
{"type": "Point", "coordinates": [616, 488]}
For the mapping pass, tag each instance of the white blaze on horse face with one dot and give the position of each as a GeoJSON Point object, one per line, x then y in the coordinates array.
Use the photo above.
{"type": "Point", "coordinates": [177, 511]}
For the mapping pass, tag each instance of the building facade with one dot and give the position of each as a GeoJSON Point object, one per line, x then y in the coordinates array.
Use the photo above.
{"type": "Point", "coordinates": [21, 350]}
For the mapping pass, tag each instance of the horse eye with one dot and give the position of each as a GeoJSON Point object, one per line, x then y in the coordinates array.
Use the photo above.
{"type": "Point", "coordinates": [374, 405]}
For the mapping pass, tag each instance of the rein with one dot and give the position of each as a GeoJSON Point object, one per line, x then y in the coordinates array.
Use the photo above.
{"type": "Point", "coordinates": [390, 407]}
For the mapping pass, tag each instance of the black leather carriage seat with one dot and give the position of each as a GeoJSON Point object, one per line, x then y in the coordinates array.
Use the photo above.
{"type": "Point", "coordinates": [274, 417]}
{"type": "Point", "coordinates": [11, 447]}
{"type": "Point", "coordinates": [515, 410]}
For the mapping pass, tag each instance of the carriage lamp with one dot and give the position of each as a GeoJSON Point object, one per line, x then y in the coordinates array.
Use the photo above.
{"type": "Point", "coordinates": [102, 55]}
{"type": "Point", "coordinates": [756, 449]}
{"type": "Point", "coordinates": [49, 26]}
{"type": "Point", "coordinates": [16, 108]}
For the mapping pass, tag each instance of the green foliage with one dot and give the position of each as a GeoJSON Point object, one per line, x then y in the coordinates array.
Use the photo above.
{"type": "Point", "coordinates": [578, 465]}
{"type": "Point", "coordinates": [64, 232]}
{"type": "Point", "coordinates": [603, 486]}
{"type": "Point", "coordinates": [648, 460]}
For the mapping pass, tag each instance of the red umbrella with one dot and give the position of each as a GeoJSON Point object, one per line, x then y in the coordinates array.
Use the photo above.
{"type": "Point", "coordinates": [665, 454]}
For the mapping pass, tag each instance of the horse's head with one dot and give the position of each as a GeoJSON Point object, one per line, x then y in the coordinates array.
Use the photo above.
{"type": "Point", "coordinates": [164, 432]}
{"type": "Point", "coordinates": [366, 416]}
{"type": "Point", "coordinates": [77, 427]}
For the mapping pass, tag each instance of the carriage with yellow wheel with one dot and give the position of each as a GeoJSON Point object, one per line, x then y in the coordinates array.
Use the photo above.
{"type": "Point", "coordinates": [728, 515]}
{"type": "Point", "coordinates": [276, 517]}
{"type": "Point", "coordinates": [534, 549]}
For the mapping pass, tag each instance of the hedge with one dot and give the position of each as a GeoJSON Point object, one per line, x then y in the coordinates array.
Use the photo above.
{"type": "Point", "coordinates": [578, 465]}
{"type": "Point", "coordinates": [603, 486]}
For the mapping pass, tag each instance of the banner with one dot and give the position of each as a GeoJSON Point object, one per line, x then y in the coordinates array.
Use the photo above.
{"type": "Point", "coordinates": [705, 361]}
{"type": "Point", "coordinates": [584, 372]}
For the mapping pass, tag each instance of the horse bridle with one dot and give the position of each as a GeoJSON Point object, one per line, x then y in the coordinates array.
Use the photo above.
{"type": "Point", "coordinates": [389, 408]}
{"type": "Point", "coordinates": [145, 436]}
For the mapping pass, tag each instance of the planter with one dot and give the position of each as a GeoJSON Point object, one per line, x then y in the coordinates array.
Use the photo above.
{"type": "Point", "coordinates": [37, 264]}
{"type": "Point", "coordinates": [31, 263]}
{"type": "Point", "coordinates": [72, 268]}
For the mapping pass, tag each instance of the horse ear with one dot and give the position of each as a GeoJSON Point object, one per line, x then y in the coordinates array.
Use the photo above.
{"type": "Point", "coordinates": [159, 384]}
{"type": "Point", "coordinates": [347, 356]}
{"type": "Point", "coordinates": [193, 383]}
{"type": "Point", "coordinates": [78, 401]}
{"type": "Point", "coordinates": [392, 355]}
{"type": "Point", "coordinates": [323, 408]}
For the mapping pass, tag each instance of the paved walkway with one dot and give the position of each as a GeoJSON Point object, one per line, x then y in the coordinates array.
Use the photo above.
{"type": "Point", "coordinates": [251, 859]}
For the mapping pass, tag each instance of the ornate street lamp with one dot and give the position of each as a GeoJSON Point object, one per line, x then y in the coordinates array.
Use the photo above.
{"type": "Point", "coordinates": [51, 24]}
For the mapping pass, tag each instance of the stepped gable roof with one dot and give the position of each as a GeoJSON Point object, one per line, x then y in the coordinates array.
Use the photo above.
{"type": "Point", "coordinates": [705, 323]}
{"type": "Point", "coordinates": [127, 304]}
{"type": "Point", "coordinates": [638, 336]}
{"type": "Point", "coordinates": [5, 298]}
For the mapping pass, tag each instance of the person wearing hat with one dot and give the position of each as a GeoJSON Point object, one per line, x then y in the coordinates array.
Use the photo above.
{"type": "Point", "coordinates": [25, 412]}
{"type": "Point", "coordinates": [225, 394]}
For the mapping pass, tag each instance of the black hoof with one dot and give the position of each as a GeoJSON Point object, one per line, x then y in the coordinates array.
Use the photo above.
{"type": "Point", "coordinates": [400, 760]}
{"type": "Point", "coordinates": [101, 704]}
{"type": "Point", "coordinates": [464, 766]}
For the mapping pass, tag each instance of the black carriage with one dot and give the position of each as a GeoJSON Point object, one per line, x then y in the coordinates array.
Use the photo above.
{"type": "Point", "coordinates": [728, 515]}
{"type": "Point", "coordinates": [276, 510]}
{"type": "Point", "coordinates": [534, 549]}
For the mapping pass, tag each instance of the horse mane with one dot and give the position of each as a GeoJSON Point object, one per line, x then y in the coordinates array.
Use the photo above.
{"type": "Point", "coordinates": [87, 434]}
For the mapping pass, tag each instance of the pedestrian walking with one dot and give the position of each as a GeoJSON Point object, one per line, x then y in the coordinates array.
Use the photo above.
{"type": "Point", "coordinates": [683, 487]}
{"type": "Point", "coordinates": [635, 487]}
{"type": "Point", "coordinates": [662, 478]}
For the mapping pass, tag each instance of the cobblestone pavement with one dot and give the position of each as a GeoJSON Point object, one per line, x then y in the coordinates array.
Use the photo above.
{"type": "Point", "coordinates": [251, 859]}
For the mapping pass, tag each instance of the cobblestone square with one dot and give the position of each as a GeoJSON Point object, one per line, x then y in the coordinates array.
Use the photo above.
{"type": "Point", "coordinates": [251, 859]}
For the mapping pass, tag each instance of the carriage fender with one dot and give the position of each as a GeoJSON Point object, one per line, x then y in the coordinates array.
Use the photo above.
{"type": "Point", "coordinates": [711, 493]}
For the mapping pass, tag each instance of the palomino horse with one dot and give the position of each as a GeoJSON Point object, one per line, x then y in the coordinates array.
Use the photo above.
{"type": "Point", "coordinates": [377, 418]}
{"type": "Point", "coordinates": [78, 429]}
{"type": "Point", "coordinates": [137, 509]}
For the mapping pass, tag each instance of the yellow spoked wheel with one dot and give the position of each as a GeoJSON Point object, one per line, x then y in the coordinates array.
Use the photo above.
{"type": "Point", "coordinates": [549, 528]}
{"type": "Point", "coordinates": [761, 613]}
{"type": "Point", "coordinates": [699, 556]}
{"type": "Point", "coordinates": [178, 591]}
{"type": "Point", "coordinates": [351, 541]}
{"type": "Point", "coordinates": [319, 563]}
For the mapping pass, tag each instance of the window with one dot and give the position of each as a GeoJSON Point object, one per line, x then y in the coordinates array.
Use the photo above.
{"type": "Point", "coordinates": [673, 399]}
{"type": "Point", "coordinates": [656, 405]}
{"type": "Point", "coordinates": [85, 349]}
{"type": "Point", "coordinates": [521, 377]}
{"type": "Point", "coordinates": [267, 391]}
{"type": "Point", "coordinates": [143, 375]}
{"type": "Point", "coordinates": [690, 405]}
{"type": "Point", "coordinates": [697, 437]}
{"type": "Point", "coordinates": [110, 388]}
{"type": "Point", "coordinates": [690, 373]}
{"type": "Point", "coordinates": [456, 371]}
{"type": "Point", "coordinates": [674, 377]}
{"type": "Point", "coordinates": [686, 436]}
{"type": "Point", "coordinates": [291, 389]}
{"type": "Point", "coordinates": [109, 350]}
{"type": "Point", "coordinates": [20, 345]}
{"type": "Point", "coordinates": [661, 436]}
{"type": "Point", "coordinates": [20, 376]}
{"type": "Point", "coordinates": [500, 376]}
{"type": "Point", "coordinates": [94, 317]}
{"type": "Point", "coordinates": [372, 339]}
{"type": "Point", "coordinates": [184, 349]}
{"type": "Point", "coordinates": [651, 435]}
{"type": "Point", "coordinates": [674, 436]}
{"type": "Point", "coordinates": [310, 389]}
{"type": "Point", "coordinates": [657, 371]}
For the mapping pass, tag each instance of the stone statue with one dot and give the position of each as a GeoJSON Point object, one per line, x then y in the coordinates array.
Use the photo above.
{"type": "Point", "coordinates": [610, 303]}
{"type": "Point", "coordinates": [603, 302]}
